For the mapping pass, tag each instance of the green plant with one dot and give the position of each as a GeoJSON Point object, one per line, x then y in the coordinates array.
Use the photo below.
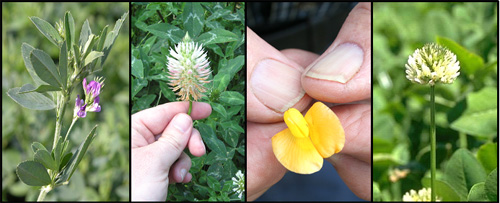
{"type": "Point", "coordinates": [219, 27]}
{"type": "Point", "coordinates": [465, 111]}
{"type": "Point", "coordinates": [77, 60]}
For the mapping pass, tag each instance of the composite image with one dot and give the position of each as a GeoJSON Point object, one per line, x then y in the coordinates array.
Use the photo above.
{"type": "Point", "coordinates": [250, 101]}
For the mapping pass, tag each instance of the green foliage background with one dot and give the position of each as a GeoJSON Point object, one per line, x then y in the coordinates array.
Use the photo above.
{"type": "Point", "coordinates": [466, 111]}
{"type": "Point", "coordinates": [156, 27]}
{"type": "Point", "coordinates": [103, 173]}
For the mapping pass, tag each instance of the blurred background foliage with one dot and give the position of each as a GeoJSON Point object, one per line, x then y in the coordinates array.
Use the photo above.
{"type": "Point", "coordinates": [219, 26]}
{"type": "Point", "coordinates": [103, 173]}
{"type": "Point", "coordinates": [466, 111]}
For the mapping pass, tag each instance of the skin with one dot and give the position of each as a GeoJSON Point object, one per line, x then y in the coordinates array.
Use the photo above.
{"type": "Point", "coordinates": [157, 148]}
{"type": "Point", "coordinates": [353, 163]}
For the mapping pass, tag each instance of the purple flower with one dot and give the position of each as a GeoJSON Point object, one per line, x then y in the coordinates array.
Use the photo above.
{"type": "Point", "coordinates": [91, 102]}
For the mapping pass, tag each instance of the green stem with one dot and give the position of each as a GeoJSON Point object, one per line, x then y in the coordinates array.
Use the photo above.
{"type": "Point", "coordinates": [70, 127]}
{"type": "Point", "coordinates": [463, 139]}
{"type": "Point", "coordinates": [43, 192]}
{"type": "Point", "coordinates": [433, 146]}
{"type": "Point", "coordinates": [190, 107]}
{"type": "Point", "coordinates": [61, 108]}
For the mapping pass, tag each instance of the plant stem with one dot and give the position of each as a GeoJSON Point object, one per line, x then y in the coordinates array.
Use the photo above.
{"type": "Point", "coordinates": [43, 192]}
{"type": "Point", "coordinates": [190, 107]}
{"type": "Point", "coordinates": [433, 146]}
{"type": "Point", "coordinates": [463, 139]}
{"type": "Point", "coordinates": [70, 127]}
{"type": "Point", "coordinates": [61, 108]}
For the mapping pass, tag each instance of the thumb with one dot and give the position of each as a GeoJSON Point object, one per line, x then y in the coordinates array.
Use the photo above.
{"type": "Point", "coordinates": [173, 140]}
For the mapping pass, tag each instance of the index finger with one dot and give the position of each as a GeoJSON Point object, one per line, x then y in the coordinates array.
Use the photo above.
{"type": "Point", "coordinates": [153, 121]}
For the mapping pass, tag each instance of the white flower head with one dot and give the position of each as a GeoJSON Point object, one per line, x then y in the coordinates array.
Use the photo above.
{"type": "Point", "coordinates": [188, 69]}
{"type": "Point", "coordinates": [239, 184]}
{"type": "Point", "coordinates": [432, 64]}
{"type": "Point", "coordinates": [423, 195]}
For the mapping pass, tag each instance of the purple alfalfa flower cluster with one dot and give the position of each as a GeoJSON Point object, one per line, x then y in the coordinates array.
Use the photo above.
{"type": "Point", "coordinates": [91, 102]}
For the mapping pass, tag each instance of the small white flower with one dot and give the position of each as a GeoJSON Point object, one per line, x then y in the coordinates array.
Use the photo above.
{"type": "Point", "coordinates": [423, 195]}
{"type": "Point", "coordinates": [432, 64]}
{"type": "Point", "coordinates": [188, 69]}
{"type": "Point", "coordinates": [239, 184]}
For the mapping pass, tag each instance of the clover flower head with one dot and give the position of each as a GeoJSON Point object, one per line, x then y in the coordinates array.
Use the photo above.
{"type": "Point", "coordinates": [423, 195]}
{"type": "Point", "coordinates": [91, 102]}
{"type": "Point", "coordinates": [432, 64]}
{"type": "Point", "coordinates": [188, 69]}
{"type": "Point", "coordinates": [239, 184]}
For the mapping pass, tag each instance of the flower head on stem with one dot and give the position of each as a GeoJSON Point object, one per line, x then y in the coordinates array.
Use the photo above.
{"type": "Point", "coordinates": [432, 64]}
{"type": "Point", "coordinates": [423, 195]}
{"type": "Point", "coordinates": [91, 102]}
{"type": "Point", "coordinates": [188, 69]}
{"type": "Point", "coordinates": [239, 184]}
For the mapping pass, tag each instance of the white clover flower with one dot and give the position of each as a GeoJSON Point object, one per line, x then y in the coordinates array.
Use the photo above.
{"type": "Point", "coordinates": [188, 69]}
{"type": "Point", "coordinates": [432, 64]}
{"type": "Point", "coordinates": [423, 195]}
{"type": "Point", "coordinates": [239, 184]}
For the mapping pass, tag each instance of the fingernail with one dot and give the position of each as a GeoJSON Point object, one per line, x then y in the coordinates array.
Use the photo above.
{"type": "Point", "coordinates": [202, 144]}
{"type": "Point", "coordinates": [339, 65]}
{"type": "Point", "coordinates": [276, 85]}
{"type": "Point", "coordinates": [183, 174]}
{"type": "Point", "coordinates": [182, 122]}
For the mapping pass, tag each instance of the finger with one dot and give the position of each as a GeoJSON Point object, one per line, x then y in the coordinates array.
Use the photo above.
{"type": "Point", "coordinates": [356, 121]}
{"type": "Point", "coordinates": [273, 82]}
{"type": "Point", "coordinates": [356, 174]}
{"type": "Point", "coordinates": [195, 144]}
{"type": "Point", "coordinates": [302, 57]}
{"type": "Point", "coordinates": [174, 139]}
{"type": "Point", "coordinates": [150, 122]}
{"type": "Point", "coordinates": [343, 73]}
{"type": "Point", "coordinates": [262, 176]}
{"type": "Point", "coordinates": [180, 169]}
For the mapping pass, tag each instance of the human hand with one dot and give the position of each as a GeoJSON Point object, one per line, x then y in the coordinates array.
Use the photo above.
{"type": "Point", "coordinates": [341, 75]}
{"type": "Point", "coordinates": [159, 136]}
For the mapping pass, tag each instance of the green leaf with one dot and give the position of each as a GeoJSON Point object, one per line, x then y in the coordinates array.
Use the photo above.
{"type": "Point", "coordinates": [193, 18]}
{"type": "Point", "coordinates": [26, 50]}
{"type": "Point", "coordinates": [491, 186]}
{"type": "Point", "coordinates": [85, 33]}
{"type": "Point", "coordinates": [219, 108]}
{"type": "Point", "coordinates": [443, 190]}
{"type": "Point", "coordinates": [40, 89]}
{"type": "Point", "coordinates": [65, 160]}
{"type": "Point", "coordinates": [43, 156]}
{"type": "Point", "coordinates": [217, 36]}
{"type": "Point", "coordinates": [37, 146]}
{"type": "Point", "coordinates": [31, 100]}
{"type": "Point", "coordinates": [69, 27]}
{"type": "Point", "coordinates": [45, 68]}
{"type": "Point", "coordinates": [167, 92]}
{"type": "Point", "coordinates": [166, 31]}
{"type": "Point", "coordinates": [463, 171]}
{"type": "Point", "coordinates": [145, 101]}
{"type": "Point", "coordinates": [477, 193]}
{"type": "Point", "coordinates": [93, 55]}
{"type": "Point", "coordinates": [226, 74]}
{"type": "Point", "coordinates": [47, 30]}
{"type": "Point", "coordinates": [232, 98]}
{"type": "Point", "coordinates": [63, 64]}
{"type": "Point", "coordinates": [209, 137]}
{"type": "Point", "coordinates": [87, 48]}
{"type": "Point", "coordinates": [77, 157]}
{"type": "Point", "coordinates": [137, 85]}
{"type": "Point", "coordinates": [487, 156]}
{"type": "Point", "coordinates": [469, 62]}
{"type": "Point", "coordinates": [213, 183]}
{"type": "Point", "coordinates": [137, 68]}
{"type": "Point", "coordinates": [111, 37]}
{"type": "Point", "coordinates": [480, 117]}
{"type": "Point", "coordinates": [33, 173]}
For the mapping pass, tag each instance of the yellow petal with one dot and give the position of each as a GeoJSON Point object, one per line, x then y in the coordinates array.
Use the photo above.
{"type": "Point", "coordinates": [325, 130]}
{"type": "Point", "coordinates": [296, 123]}
{"type": "Point", "coordinates": [295, 153]}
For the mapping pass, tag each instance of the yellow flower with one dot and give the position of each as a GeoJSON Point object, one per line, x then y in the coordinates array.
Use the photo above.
{"type": "Point", "coordinates": [307, 140]}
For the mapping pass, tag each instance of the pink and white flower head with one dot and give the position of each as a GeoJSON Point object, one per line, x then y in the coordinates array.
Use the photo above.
{"type": "Point", "coordinates": [188, 69]}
